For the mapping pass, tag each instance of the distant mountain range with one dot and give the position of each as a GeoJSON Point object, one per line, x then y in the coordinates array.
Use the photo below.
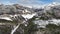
{"type": "Point", "coordinates": [52, 9]}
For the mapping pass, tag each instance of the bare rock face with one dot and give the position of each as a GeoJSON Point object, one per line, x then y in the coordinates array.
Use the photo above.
{"type": "Point", "coordinates": [12, 9]}
{"type": "Point", "coordinates": [54, 11]}
{"type": "Point", "coordinates": [57, 11]}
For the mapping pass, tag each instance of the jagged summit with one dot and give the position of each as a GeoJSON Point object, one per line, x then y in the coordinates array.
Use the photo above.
{"type": "Point", "coordinates": [54, 4]}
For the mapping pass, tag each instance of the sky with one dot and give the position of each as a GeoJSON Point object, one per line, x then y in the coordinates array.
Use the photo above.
{"type": "Point", "coordinates": [28, 2]}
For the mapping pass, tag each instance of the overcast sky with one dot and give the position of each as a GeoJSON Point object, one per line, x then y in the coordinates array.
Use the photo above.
{"type": "Point", "coordinates": [29, 2]}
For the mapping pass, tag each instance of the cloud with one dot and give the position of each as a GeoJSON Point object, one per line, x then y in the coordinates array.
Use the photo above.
{"type": "Point", "coordinates": [57, 0]}
{"type": "Point", "coordinates": [29, 2]}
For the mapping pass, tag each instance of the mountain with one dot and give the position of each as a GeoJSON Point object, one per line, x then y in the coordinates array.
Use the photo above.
{"type": "Point", "coordinates": [54, 8]}
{"type": "Point", "coordinates": [13, 9]}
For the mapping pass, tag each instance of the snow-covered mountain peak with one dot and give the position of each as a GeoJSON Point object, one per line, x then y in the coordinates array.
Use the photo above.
{"type": "Point", "coordinates": [47, 7]}
{"type": "Point", "coordinates": [54, 4]}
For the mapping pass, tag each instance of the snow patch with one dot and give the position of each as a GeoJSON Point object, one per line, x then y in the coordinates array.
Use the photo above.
{"type": "Point", "coordinates": [6, 18]}
{"type": "Point", "coordinates": [28, 16]}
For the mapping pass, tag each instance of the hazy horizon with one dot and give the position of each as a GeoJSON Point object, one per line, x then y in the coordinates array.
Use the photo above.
{"type": "Point", "coordinates": [35, 3]}
{"type": "Point", "coordinates": [28, 2]}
